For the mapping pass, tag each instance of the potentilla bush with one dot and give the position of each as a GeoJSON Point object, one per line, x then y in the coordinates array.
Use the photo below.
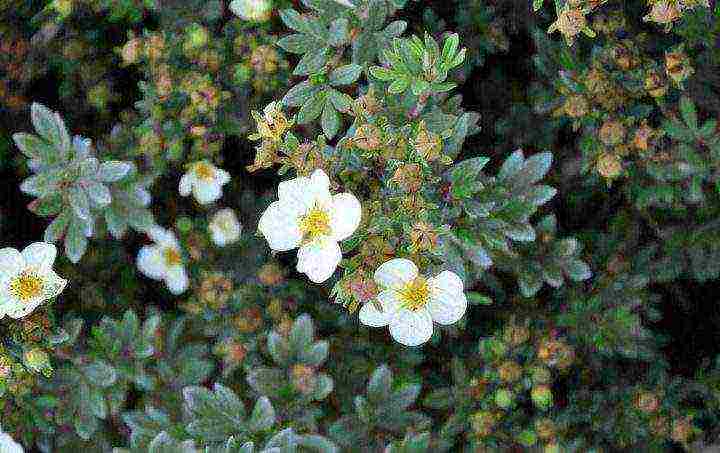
{"type": "Point", "coordinates": [359, 225]}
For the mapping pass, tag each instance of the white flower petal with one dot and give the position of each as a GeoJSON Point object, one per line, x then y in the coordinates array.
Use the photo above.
{"type": "Point", "coordinates": [186, 184]}
{"type": "Point", "coordinates": [53, 284]}
{"type": "Point", "coordinates": [40, 255]}
{"type": "Point", "coordinates": [319, 259]}
{"type": "Point", "coordinates": [11, 263]}
{"type": "Point", "coordinates": [176, 279]}
{"type": "Point", "coordinates": [8, 444]}
{"type": "Point", "coordinates": [447, 299]}
{"type": "Point", "coordinates": [22, 309]}
{"type": "Point", "coordinates": [222, 177]}
{"type": "Point", "coordinates": [279, 225]}
{"type": "Point", "coordinates": [371, 316]}
{"type": "Point", "coordinates": [207, 192]}
{"type": "Point", "coordinates": [345, 215]}
{"type": "Point", "coordinates": [151, 262]}
{"type": "Point", "coordinates": [162, 236]}
{"type": "Point", "coordinates": [395, 272]}
{"type": "Point", "coordinates": [296, 192]}
{"type": "Point", "coordinates": [411, 328]}
{"type": "Point", "coordinates": [224, 227]}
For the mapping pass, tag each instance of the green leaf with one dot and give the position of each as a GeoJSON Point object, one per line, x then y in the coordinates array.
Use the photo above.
{"type": "Point", "coordinates": [330, 120]}
{"type": "Point", "coordinates": [512, 165]}
{"type": "Point", "coordinates": [398, 86]}
{"type": "Point", "coordinates": [301, 333]}
{"type": "Point", "coordinates": [478, 299]}
{"type": "Point", "coordinates": [265, 381]}
{"type": "Point", "coordinates": [341, 101]}
{"type": "Point", "coordinates": [100, 373]}
{"type": "Point", "coordinates": [50, 126]}
{"type": "Point", "coordinates": [75, 241]}
{"type": "Point", "coordinates": [312, 108]}
{"type": "Point", "coordinates": [312, 62]}
{"type": "Point", "coordinates": [299, 94]}
{"type": "Point", "coordinates": [577, 270]}
{"type": "Point", "coordinates": [79, 202]}
{"type": "Point", "coordinates": [215, 415]}
{"type": "Point", "coordinates": [345, 75]}
{"type": "Point", "coordinates": [33, 147]}
{"type": "Point", "coordinates": [263, 415]}
{"type": "Point", "coordinates": [292, 19]}
{"type": "Point", "coordinates": [688, 112]}
{"type": "Point", "coordinates": [338, 32]}
{"type": "Point", "coordinates": [297, 43]}
{"type": "Point", "coordinates": [380, 383]}
{"type": "Point", "coordinates": [57, 228]}
{"type": "Point", "coordinates": [383, 74]}
{"type": "Point", "coordinates": [114, 170]}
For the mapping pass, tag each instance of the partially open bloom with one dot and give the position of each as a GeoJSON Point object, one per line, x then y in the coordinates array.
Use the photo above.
{"type": "Point", "coordinates": [163, 260]}
{"type": "Point", "coordinates": [27, 279]}
{"type": "Point", "coordinates": [410, 303]}
{"type": "Point", "coordinates": [8, 444]}
{"type": "Point", "coordinates": [224, 227]}
{"type": "Point", "coordinates": [205, 181]}
{"type": "Point", "coordinates": [309, 217]}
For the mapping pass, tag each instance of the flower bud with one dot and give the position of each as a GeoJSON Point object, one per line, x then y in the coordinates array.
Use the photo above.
{"type": "Point", "coordinates": [504, 398]}
{"type": "Point", "coordinates": [542, 396]}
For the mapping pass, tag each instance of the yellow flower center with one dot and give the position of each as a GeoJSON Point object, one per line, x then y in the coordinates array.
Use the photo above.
{"type": "Point", "coordinates": [27, 286]}
{"type": "Point", "coordinates": [415, 294]}
{"type": "Point", "coordinates": [172, 257]}
{"type": "Point", "coordinates": [315, 223]}
{"type": "Point", "coordinates": [204, 171]}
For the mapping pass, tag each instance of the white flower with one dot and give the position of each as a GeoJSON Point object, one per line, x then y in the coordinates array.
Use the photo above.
{"type": "Point", "coordinates": [205, 181]}
{"type": "Point", "coordinates": [252, 10]}
{"type": "Point", "coordinates": [307, 216]}
{"type": "Point", "coordinates": [8, 444]}
{"type": "Point", "coordinates": [27, 279]}
{"type": "Point", "coordinates": [224, 227]}
{"type": "Point", "coordinates": [411, 303]}
{"type": "Point", "coordinates": [163, 260]}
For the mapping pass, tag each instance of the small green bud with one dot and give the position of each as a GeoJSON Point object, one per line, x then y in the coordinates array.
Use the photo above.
{"type": "Point", "coordinates": [504, 398]}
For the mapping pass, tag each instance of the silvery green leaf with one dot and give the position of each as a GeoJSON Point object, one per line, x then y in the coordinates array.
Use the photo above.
{"type": "Point", "coordinates": [317, 443]}
{"type": "Point", "coordinates": [293, 20]}
{"type": "Point", "coordinates": [50, 126]}
{"type": "Point", "coordinates": [97, 402]}
{"type": "Point", "coordinates": [114, 170]}
{"type": "Point", "coordinates": [338, 32]}
{"type": "Point", "coordinates": [75, 241]}
{"type": "Point", "coordinates": [263, 415]}
{"type": "Point", "coordinates": [117, 225]}
{"type": "Point", "coordinates": [141, 219]}
{"type": "Point", "coordinates": [395, 29]}
{"type": "Point", "coordinates": [540, 194]}
{"type": "Point", "coordinates": [57, 227]}
{"type": "Point", "coordinates": [577, 270]}
{"type": "Point", "coordinates": [265, 381]}
{"type": "Point", "coordinates": [521, 232]}
{"type": "Point", "coordinates": [79, 202]}
{"type": "Point", "coordinates": [512, 165]}
{"type": "Point", "coordinates": [346, 3]}
{"type": "Point", "coordinates": [345, 75]}
{"type": "Point", "coordinates": [100, 373]}
{"type": "Point", "coordinates": [278, 348]}
{"type": "Point", "coordinates": [298, 43]}
{"type": "Point", "coordinates": [89, 168]}
{"type": "Point", "coordinates": [215, 415]}
{"type": "Point", "coordinates": [311, 62]}
{"type": "Point", "coordinates": [36, 185]}
{"type": "Point", "coordinates": [82, 146]}
{"type": "Point", "coordinates": [301, 333]}
{"type": "Point", "coordinates": [379, 385]}
{"type": "Point", "coordinates": [299, 94]}
{"type": "Point", "coordinates": [323, 387]}
{"type": "Point", "coordinates": [529, 284]}
{"type": "Point", "coordinates": [285, 440]}
{"type": "Point", "coordinates": [315, 354]}
{"type": "Point", "coordinates": [534, 169]}
{"type": "Point", "coordinates": [341, 101]}
{"type": "Point", "coordinates": [98, 193]}
{"type": "Point", "coordinates": [404, 397]}
{"type": "Point", "coordinates": [311, 109]}
{"type": "Point", "coordinates": [33, 147]}
{"type": "Point", "coordinates": [330, 120]}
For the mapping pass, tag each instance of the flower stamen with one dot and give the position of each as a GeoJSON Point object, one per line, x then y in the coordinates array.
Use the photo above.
{"type": "Point", "coordinates": [316, 223]}
{"type": "Point", "coordinates": [27, 286]}
{"type": "Point", "coordinates": [172, 257]}
{"type": "Point", "coordinates": [415, 294]}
